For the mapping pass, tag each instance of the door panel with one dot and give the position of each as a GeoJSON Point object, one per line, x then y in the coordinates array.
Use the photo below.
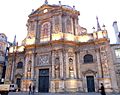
{"type": "Point", "coordinates": [44, 80]}
{"type": "Point", "coordinates": [90, 84]}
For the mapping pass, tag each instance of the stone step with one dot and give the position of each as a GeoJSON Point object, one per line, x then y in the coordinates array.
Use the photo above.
{"type": "Point", "coordinates": [27, 93]}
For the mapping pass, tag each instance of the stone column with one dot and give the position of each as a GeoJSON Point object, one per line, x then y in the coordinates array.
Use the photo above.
{"type": "Point", "coordinates": [60, 23]}
{"type": "Point", "coordinates": [72, 25]}
{"type": "Point", "coordinates": [78, 65]}
{"type": "Point", "coordinates": [32, 68]}
{"type": "Point", "coordinates": [65, 24]}
{"type": "Point", "coordinates": [74, 66]}
{"type": "Point", "coordinates": [99, 63]}
{"type": "Point", "coordinates": [76, 27]}
{"type": "Point", "coordinates": [36, 31]}
{"type": "Point", "coordinates": [67, 64]}
{"type": "Point", "coordinates": [37, 78]}
{"type": "Point", "coordinates": [61, 65]}
{"type": "Point", "coordinates": [25, 72]}
{"type": "Point", "coordinates": [53, 63]}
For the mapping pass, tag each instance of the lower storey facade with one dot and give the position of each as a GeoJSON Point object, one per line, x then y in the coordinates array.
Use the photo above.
{"type": "Point", "coordinates": [43, 83]}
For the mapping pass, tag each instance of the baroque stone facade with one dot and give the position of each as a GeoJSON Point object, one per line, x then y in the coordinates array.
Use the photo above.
{"type": "Point", "coordinates": [58, 55]}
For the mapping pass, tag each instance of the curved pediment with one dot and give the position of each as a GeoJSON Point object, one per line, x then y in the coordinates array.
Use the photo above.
{"type": "Point", "coordinates": [89, 71]}
{"type": "Point", "coordinates": [18, 75]}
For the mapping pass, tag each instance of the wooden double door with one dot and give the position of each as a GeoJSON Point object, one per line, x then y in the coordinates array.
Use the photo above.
{"type": "Point", "coordinates": [90, 83]}
{"type": "Point", "coordinates": [43, 80]}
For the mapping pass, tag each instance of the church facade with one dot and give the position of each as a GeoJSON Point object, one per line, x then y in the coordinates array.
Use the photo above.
{"type": "Point", "coordinates": [58, 55]}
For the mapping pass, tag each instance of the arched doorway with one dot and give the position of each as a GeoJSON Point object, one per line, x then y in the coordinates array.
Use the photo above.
{"type": "Point", "coordinates": [43, 80]}
{"type": "Point", "coordinates": [90, 83]}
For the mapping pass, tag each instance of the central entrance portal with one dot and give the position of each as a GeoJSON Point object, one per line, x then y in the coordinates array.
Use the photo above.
{"type": "Point", "coordinates": [43, 80]}
{"type": "Point", "coordinates": [90, 84]}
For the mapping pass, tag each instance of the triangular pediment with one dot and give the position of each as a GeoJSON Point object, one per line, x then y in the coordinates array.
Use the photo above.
{"type": "Point", "coordinates": [44, 7]}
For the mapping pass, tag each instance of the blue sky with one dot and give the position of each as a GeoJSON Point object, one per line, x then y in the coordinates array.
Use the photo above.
{"type": "Point", "coordinates": [14, 15]}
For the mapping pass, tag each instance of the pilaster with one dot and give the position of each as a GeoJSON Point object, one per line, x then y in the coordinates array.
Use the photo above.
{"type": "Point", "coordinates": [99, 63]}
{"type": "Point", "coordinates": [61, 65]}
{"type": "Point", "coordinates": [53, 63]}
{"type": "Point", "coordinates": [32, 68]}
{"type": "Point", "coordinates": [78, 64]}
{"type": "Point", "coordinates": [67, 64]}
{"type": "Point", "coordinates": [25, 72]}
{"type": "Point", "coordinates": [74, 65]}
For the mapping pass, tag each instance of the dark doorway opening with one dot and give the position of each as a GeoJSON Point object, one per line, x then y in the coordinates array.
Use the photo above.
{"type": "Point", "coordinates": [18, 82]}
{"type": "Point", "coordinates": [43, 80]}
{"type": "Point", "coordinates": [90, 83]}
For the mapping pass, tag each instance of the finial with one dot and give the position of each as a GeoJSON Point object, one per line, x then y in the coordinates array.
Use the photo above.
{"type": "Point", "coordinates": [73, 7]}
{"type": "Point", "coordinates": [60, 3]}
{"type": "Point", "coordinates": [32, 10]}
{"type": "Point", "coordinates": [98, 25]}
{"type": "Point", "coordinates": [93, 28]}
{"type": "Point", "coordinates": [46, 2]}
{"type": "Point", "coordinates": [103, 27]}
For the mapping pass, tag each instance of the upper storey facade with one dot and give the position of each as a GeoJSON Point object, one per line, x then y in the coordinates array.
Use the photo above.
{"type": "Point", "coordinates": [58, 22]}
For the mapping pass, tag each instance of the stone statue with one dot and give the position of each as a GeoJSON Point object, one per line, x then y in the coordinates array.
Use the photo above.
{"type": "Point", "coordinates": [57, 68]}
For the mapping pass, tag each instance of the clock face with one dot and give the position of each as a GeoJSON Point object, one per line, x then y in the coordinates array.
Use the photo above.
{"type": "Point", "coordinates": [45, 29]}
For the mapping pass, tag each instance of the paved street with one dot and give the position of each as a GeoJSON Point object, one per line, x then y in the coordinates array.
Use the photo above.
{"type": "Point", "coordinates": [26, 93]}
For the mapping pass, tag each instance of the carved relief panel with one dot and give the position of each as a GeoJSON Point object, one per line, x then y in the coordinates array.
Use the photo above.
{"type": "Point", "coordinates": [43, 60]}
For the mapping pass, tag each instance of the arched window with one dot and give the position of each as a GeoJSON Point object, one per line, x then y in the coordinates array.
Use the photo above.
{"type": "Point", "coordinates": [88, 58]}
{"type": "Point", "coordinates": [20, 65]}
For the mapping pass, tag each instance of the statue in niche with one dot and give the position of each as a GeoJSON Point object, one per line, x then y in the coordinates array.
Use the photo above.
{"type": "Point", "coordinates": [57, 68]}
{"type": "Point", "coordinates": [71, 70]}
{"type": "Point", "coordinates": [29, 66]}
{"type": "Point", "coordinates": [29, 69]}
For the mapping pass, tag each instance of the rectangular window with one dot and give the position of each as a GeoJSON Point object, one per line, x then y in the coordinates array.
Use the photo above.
{"type": "Point", "coordinates": [117, 52]}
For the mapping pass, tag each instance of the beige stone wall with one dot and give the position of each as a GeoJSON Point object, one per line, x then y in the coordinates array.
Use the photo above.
{"type": "Point", "coordinates": [116, 62]}
{"type": "Point", "coordinates": [64, 57]}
